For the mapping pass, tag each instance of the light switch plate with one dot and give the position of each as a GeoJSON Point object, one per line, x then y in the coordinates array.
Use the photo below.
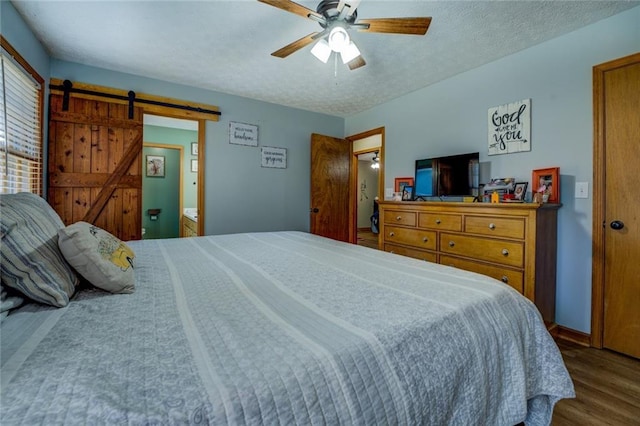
{"type": "Point", "coordinates": [582, 189]}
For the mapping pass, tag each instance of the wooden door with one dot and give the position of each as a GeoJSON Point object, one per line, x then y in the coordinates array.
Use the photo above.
{"type": "Point", "coordinates": [330, 161]}
{"type": "Point", "coordinates": [617, 152]}
{"type": "Point", "coordinates": [95, 164]}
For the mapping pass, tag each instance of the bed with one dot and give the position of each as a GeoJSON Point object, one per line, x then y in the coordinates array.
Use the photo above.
{"type": "Point", "coordinates": [282, 328]}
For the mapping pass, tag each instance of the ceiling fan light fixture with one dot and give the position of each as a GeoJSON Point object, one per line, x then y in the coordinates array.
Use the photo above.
{"type": "Point", "coordinates": [321, 50]}
{"type": "Point", "coordinates": [349, 53]}
{"type": "Point", "coordinates": [338, 39]}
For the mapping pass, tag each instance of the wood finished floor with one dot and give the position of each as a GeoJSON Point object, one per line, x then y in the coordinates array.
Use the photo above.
{"type": "Point", "coordinates": [368, 239]}
{"type": "Point", "coordinates": [607, 388]}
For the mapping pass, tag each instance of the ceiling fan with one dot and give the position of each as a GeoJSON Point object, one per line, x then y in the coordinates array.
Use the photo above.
{"type": "Point", "coordinates": [336, 17]}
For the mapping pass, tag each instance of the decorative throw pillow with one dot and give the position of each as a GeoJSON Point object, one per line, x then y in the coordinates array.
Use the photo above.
{"type": "Point", "coordinates": [31, 260]}
{"type": "Point", "coordinates": [102, 259]}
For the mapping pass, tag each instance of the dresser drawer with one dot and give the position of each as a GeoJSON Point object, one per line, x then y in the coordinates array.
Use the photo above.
{"type": "Point", "coordinates": [509, 276]}
{"type": "Point", "coordinates": [412, 237]}
{"type": "Point", "coordinates": [409, 252]}
{"type": "Point", "coordinates": [445, 222]}
{"type": "Point", "coordinates": [495, 226]}
{"type": "Point", "coordinates": [400, 217]}
{"type": "Point", "coordinates": [499, 251]}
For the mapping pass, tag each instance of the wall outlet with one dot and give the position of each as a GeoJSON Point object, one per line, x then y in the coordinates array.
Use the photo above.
{"type": "Point", "coordinates": [582, 189]}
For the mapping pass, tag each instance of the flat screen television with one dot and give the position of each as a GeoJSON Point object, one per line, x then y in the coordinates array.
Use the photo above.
{"type": "Point", "coordinates": [450, 176]}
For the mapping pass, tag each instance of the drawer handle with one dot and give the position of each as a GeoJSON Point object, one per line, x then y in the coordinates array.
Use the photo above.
{"type": "Point", "coordinates": [451, 244]}
{"type": "Point", "coordinates": [492, 226]}
{"type": "Point", "coordinates": [505, 252]}
{"type": "Point", "coordinates": [505, 279]}
{"type": "Point", "coordinates": [398, 218]}
{"type": "Point", "coordinates": [425, 240]}
{"type": "Point", "coordinates": [437, 221]}
{"type": "Point", "coordinates": [391, 234]}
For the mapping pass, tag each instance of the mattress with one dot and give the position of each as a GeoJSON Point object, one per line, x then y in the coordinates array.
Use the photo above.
{"type": "Point", "coordinates": [283, 328]}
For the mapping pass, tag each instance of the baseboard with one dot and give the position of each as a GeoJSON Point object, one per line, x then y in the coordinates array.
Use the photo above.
{"type": "Point", "coordinates": [570, 335]}
{"type": "Point", "coordinates": [364, 229]}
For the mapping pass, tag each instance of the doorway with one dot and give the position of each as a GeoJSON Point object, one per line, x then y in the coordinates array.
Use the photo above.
{"type": "Point", "coordinates": [334, 182]}
{"type": "Point", "coordinates": [615, 317]}
{"type": "Point", "coordinates": [367, 185]}
{"type": "Point", "coordinates": [174, 142]}
{"type": "Point", "coordinates": [367, 203]}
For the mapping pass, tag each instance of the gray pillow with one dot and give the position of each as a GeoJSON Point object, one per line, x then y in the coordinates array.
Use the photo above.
{"type": "Point", "coordinates": [31, 260]}
{"type": "Point", "coordinates": [102, 259]}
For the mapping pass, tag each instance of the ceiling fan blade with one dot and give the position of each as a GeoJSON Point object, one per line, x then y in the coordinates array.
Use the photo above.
{"type": "Point", "coordinates": [356, 63]}
{"type": "Point", "coordinates": [295, 46]}
{"type": "Point", "coordinates": [289, 6]}
{"type": "Point", "coordinates": [412, 26]}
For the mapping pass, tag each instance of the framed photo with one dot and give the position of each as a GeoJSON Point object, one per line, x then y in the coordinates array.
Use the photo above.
{"type": "Point", "coordinates": [401, 182]}
{"type": "Point", "coordinates": [155, 165]}
{"type": "Point", "coordinates": [407, 193]}
{"type": "Point", "coordinates": [520, 191]}
{"type": "Point", "coordinates": [546, 182]}
{"type": "Point", "coordinates": [194, 148]}
{"type": "Point", "coordinates": [194, 165]}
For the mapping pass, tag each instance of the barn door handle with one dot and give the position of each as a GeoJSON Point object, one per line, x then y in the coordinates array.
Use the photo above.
{"type": "Point", "coordinates": [314, 210]}
{"type": "Point", "coordinates": [617, 225]}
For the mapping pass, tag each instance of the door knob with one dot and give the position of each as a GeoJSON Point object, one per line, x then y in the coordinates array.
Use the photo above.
{"type": "Point", "coordinates": [314, 210]}
{"type": "Point", "coordinates": [617, 225]}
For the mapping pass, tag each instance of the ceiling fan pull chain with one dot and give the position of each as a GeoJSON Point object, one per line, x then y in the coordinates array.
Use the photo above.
{"type": "Point", "coordinates": [335, 66]}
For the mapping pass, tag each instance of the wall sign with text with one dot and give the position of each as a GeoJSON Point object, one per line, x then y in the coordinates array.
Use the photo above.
{"type": "Point", "coordinates": [243, 134]}
{"type": "Point", "coordinates": [274, 157]}
{"type": "Point", "coordinates": [510, 128]}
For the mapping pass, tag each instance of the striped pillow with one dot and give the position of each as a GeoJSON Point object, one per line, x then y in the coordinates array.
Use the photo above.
{"type": "Point", "coordinates": [31, 260]}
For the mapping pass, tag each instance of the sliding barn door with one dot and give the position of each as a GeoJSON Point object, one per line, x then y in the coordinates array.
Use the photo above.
{"type": "Point", "coordinates": [95, 164]}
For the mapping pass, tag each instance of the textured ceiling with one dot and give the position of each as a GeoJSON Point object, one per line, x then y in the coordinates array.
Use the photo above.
{"type": "Point", "coordinates": [225, 45]}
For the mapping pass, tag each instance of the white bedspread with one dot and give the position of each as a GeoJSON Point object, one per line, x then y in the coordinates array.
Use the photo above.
{"type": "Point", "coordinates": [283, 328]}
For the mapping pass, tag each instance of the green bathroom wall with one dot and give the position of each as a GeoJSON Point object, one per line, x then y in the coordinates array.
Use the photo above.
{"type": "Point", "coordinates": [157, 134]}
{"type": "Point", "coordinates": [161, 193]}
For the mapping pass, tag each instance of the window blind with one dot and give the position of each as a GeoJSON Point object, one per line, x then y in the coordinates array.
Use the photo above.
{"type": "Point", "coordinates": [20, 128]}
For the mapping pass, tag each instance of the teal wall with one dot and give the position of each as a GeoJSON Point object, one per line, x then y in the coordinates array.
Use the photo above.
{"type": "Point", "coordinates": [450, 117]}
{"type": "Point", "coordinates": [162, 193]}
{"type": "Point", "coordinates": [157, 134]}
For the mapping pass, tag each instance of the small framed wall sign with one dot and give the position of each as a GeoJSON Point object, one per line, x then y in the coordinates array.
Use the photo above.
{"type": "Point", "coordinates": [510, 128]}
{"type": "Point", "coordinates": [194, 148]}
{"type": "Point", "coordinates": [243, 134]}
{"type": "Point", "coordinates": [194, 165]}
{"type": "Point", "coordinates": [273, 157]}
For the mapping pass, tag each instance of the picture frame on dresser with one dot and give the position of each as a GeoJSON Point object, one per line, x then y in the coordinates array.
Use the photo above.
{"type": "Point", "coordinates": [401, 182]}
{"type": "Point", "coordinates": [407, 193]}
{"type": "Point", "coordinates": [547, 182]}
{"type": "Point", "coordinates": [520, 191]}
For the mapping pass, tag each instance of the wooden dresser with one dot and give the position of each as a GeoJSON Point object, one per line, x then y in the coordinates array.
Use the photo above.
{"type": "Point", "coordinates": [189, 227]}
{"type": "Point", "coordinates": [514, 243]}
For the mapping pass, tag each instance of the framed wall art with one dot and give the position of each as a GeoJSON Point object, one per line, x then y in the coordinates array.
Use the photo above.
{"type": "Point", "coordinates": [155, 165]}
{"type": "Point", "coordinates": [194, 165]}
{"type": "Point", "coordinates": [545, 185]}
{"type": "Point", "coordinates": [194, 148]}
{"type": "Point", "coordinates": [243, 134]}
{"type": "Point", "coordinates": [401, 182]}
{"type": "Point", "coordinates": [273, 157]}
